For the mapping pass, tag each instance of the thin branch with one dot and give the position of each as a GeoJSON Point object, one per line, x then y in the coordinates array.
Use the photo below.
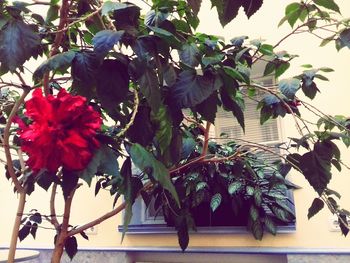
{"type": "Point", "coordinates": [6, 143]}
{"type": "Point", "coordinates": [53, 217]}
{"type": "Point", "coordinates": [132, 119]}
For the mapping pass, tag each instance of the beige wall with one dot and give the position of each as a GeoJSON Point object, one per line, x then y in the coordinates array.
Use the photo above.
{"type": "Point", "coordinates": [315, 233]}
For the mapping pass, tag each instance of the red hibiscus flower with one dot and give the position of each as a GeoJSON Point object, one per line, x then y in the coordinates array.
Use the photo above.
{"type": "Point", "coordinates": [62, 131]}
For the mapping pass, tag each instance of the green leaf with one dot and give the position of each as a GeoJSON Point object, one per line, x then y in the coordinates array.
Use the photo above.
{"type": "Point", "coordinates": [132, 185]}
{"type": "Point", "coordinates": [233, 73]}
{"type": "Point", "coordinates": [234, 187]}
{"type": "Point", "coordinates": [18, 43]}
{"type": "Point", "coordinates": [212, 60]}
{"type": "Point", "coordinates": [316, 207]}
{"type": "Point", "coordinates": [149, 86]}
{"type": "Point", "coordinates": [52, 13]}
{"type": "Point", "coordinates": [145, 160]}
{"type": "Point", "coordinates": [266, 49]}
{"type": "Point", "coordinates": [112, 85]}
{"type": "Point", "coordinates": [215, 201]}
{"type": "Point", "coordinates": [251, 6]}
{"type": "Point", "coordinates": [336, 164]}
{"type": "Point", "coordinates": [281, 68]}
{"type": "Point", "coordinates": [329, 4]}
{"type": "Point", "coordinates": [110, 6]}
{"type": "Point", "coordinates": [104, 161]}
{"type": "Point", "coordinates": [84, 67]}
{"type": "Point", "coordinates": [253, 213]}
{"type": "Point", "coordinates": [289, 87]}
{"type": "Point", "coordinates": [172, 40]}
{"type": "Point", "coordinates": [191, 89]}
{"type": "Point", "coordinates": [105, 40]}
{"type": "Point", "coordinates": [269, 68]}
{"type": "Point", "coordinates": [270, 225]}
{"type": "Point", "coordinates": [59, 61]}
{"type": "Point", "coordinates": [164, 131]}
{"type": "Point", "coordinates": [258, 197]}
{"type": "Point", "coordinates": [293, 12]}
{"type": "Point", "coordinates": [310, 90]}
{"type": "Point", "coordinates": [71, 246]}
{"type": "Point", "coordinates": [344, 39]}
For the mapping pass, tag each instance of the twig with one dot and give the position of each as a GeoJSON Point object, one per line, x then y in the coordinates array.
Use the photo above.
{"type": "Point", "coordinates": [132, 119]}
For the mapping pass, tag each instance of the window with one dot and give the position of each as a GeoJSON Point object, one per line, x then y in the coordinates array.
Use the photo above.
{"type": "Point", "coordinates": [150, 221]}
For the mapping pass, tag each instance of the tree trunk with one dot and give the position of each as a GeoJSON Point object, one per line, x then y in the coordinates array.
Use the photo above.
{"type": "Point", "coordinates": [16, 226]}
{"type": "Point", "coordinates": [59, 246]}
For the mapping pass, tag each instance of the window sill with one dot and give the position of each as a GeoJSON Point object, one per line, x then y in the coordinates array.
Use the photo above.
{"type": "Point", "coordinates": [163, 229]}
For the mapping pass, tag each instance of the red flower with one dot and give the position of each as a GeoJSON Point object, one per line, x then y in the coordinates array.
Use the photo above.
{"type": "Point", "coordinates": [62, 132]}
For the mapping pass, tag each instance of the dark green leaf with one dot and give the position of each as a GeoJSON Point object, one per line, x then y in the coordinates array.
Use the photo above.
{"type": "Point", "coordinates": [310, 90]}
{"type": "Point", "coordinates": [269, 68]}
{"type": "Point", "coordinates": [84, 235]}
{"type": "Point", "coordinates": [195, 5]}
{"type": "Point", "coordinates": [215, 201]}
{"type": "Point", "coordinates": [343, 224]}
{"type": "Point", "coordinates": [238, 41]}
{"type": "Point", "coordinates": [105, 40]}
{"type": "Point", "coordinates": [71, 246]}
{"type": "Point", "coordinates": [233, 73]}
{"type": "Point", "coordinates": [45, 179]}
{"type": "Point", "coordinates": [104, 161]}
{"type": "Point", "coordinates": [142, 130]}
{"type": "Point", "coordinates": [227, 10]}
{"type": "Point", "coordinates": [329, 4]}
{"type": "Point", "coordinates": [251, 6]}
{"type": "Point", "coordinates": [230, 104]}
{"type": "Point", "coordinates": [18, 42]}
{"type": "Point", "coordinates": [257, 230]}
{"type": "Point", "coordinates": [149, 86]}
{"type": "Point", "coordinates": [316, 207]}
{"type": "Point", "coordinates": [145, 160]}
{"type": "Point", "coordinates": [344, 39]}
{"type": "Point", "coordinates": [33, 230]}
{"type": "Point", "coordinates": [36, 217]}
{"type": "Point", "coordinates": [69, 182]}
{"type": "Point", "coordinates": [316, 169]}
{"type": "Point", "coordinates": [208, 108]}
{"type": "Point", "coordinates": [182, 233]}
{"type": "Point", "coordinates": [84, 67]}
{"type": "Point", "coordinates": [167, 36]}
{"type": "Point", "coordinates": [59, 61]}
{"type": "Point", "coordinates": [289, 87]}
{"type": "Point", "coordinates": [336, 164]}
{"type": "Point", "coordinates": [24, 231]}
{"type": "Point", "coordinates": [212, 60]}
{"type": "Point", "coordinates": [154, 18]}
{"type": "Point", "coordinates": [112, 85]}
{"type": "Point", "coordinates": [257, 197]}
{"type": "Point", "coordinates": [191, 89]}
